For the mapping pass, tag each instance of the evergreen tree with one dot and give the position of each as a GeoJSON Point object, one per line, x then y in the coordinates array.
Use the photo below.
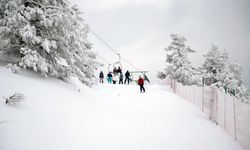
{"type": "Point", "coordinates": [217, 71]}
{"type": "Point", "coordinates": [233, 83]}
{"type": "Point", "coordinates": [47, 36]}
{"type": "Point", "coordinates": [178, 65]}
{"type": "Point", "coordinates": [214, 66]}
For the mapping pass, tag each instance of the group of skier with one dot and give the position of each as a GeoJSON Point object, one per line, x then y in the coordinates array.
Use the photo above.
{"type": "Point", "coordinates": [117, 77]}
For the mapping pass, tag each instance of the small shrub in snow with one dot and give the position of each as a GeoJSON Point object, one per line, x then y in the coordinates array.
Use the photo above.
{"type": "Point", "coordinates": [14, 68]}
{"type": "Point", "coordinates": [14, 99]}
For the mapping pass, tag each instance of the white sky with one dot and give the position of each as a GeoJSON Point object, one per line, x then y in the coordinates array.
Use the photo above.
{"type": "Point", "coordinates": [139, 29]}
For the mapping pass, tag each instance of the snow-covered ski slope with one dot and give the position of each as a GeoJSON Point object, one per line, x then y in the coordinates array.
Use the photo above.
{"type": "Point", "coordinates": [56, 116]}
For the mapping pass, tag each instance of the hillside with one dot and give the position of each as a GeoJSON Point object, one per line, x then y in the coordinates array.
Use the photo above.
{"type": "Point", "coordinates": [56, 115]}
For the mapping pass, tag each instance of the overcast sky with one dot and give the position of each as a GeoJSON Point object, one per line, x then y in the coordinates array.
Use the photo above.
{"type": "Point", "coordinates": [139, 29]}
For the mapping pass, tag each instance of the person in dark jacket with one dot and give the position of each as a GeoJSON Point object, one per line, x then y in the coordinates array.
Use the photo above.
{"type": "Point", "coordinates": [141, 84]}
{"type": "Point", "coordinates": [109, 77]}
{"type": "Point", "coordinates": [101, 76]}
{"type": "Point", "coordinates": [127, 77]}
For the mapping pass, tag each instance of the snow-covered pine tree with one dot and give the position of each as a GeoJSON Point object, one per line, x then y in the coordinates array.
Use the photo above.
{"type": "Point", "coordinates": [48, 36]}
{"type": "Point", "coordinates": [233, 82]}
{"type": "Point", "coordinates": [214, 66]}
{"type": "Point", "coordinates": [178, 65]}
{"type": "Point", "coordinates": [219, 72]}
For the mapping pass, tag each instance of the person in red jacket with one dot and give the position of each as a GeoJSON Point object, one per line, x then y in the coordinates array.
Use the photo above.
{"type": "Point", "coordinates": [141, 84]}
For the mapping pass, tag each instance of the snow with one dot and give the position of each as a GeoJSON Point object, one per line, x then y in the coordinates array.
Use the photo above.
{"type": "Point", "coordinates": [56, 115]}
{"type": "Point", "coordinates": [46, 45]}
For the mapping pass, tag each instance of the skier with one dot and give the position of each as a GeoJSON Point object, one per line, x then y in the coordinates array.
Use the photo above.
{"type": "Point", "coordinates": [121, 78]}
{"type": "Point", "coordinates": [109, 77]}
{"type": "Point", "coordinates": [127, 75]}
{"type": "Point", "coordinates": [101, 76]}
{"type": "Point", "coordinates": [141, 84]}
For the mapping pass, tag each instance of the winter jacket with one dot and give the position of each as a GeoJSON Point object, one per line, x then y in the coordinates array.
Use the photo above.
{"type": "Point", "coordinates": [109, 75]}
{"type": "Point", "coordinates": [127, 74]}
{"type": "Point", "coordinates": [140, 81]}
{"type": "Point", "coordinates": [101, 75]}
{"type": "Point", "coordinates": [121, 76]}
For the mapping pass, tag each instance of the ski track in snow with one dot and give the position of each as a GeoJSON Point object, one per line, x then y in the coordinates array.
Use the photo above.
{"type": "Point", "coordinates": [55, 116]}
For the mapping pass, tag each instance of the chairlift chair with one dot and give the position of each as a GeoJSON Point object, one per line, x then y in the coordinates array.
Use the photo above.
{"type": "Point", "coordinates": [118, 64]}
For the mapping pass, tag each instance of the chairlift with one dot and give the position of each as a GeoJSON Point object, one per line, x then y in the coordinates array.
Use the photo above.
{"type": "Point", "coordinates": [115, 65]}
{"type": "Point", "coordinates": [118, 64]}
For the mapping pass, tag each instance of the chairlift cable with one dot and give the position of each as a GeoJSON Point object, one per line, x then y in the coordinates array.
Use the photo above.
{"type": "Point", "coordinates": [106, 44]}
{"type": "Point", "coordinates": [103, 59]}
{"type": "Point", "coordinates": [130, 63]}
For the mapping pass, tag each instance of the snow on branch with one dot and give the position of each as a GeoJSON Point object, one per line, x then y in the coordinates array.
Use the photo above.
{"type": "Point", "coordinates": [161, 75]}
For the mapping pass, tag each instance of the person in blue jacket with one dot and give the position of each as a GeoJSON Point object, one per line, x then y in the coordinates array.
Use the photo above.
{"type": "Point", "coordinates": [109, 77]}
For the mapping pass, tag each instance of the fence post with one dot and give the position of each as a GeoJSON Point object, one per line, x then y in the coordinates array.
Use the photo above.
{"type": "Point", "coordinates": [171, 83]}
{"type": "Point", "coordinates": [211, 98]}
{"type": "Point", "coordinates": [202, 101]}
{"type": "Point", "coordinates": [174, 87]}
{"type": "Point", "coordinates": [235, 125]}
{"type": "Point", "coordinates": [225, 110]}
{"type": "Point", "coordinates": [193, 97]}
{"type": "Point", "coordinates": [216, 105]}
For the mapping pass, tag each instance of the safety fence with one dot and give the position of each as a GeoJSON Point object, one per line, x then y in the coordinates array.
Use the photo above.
{"type": "Point", "coordinates": [224, 110]}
